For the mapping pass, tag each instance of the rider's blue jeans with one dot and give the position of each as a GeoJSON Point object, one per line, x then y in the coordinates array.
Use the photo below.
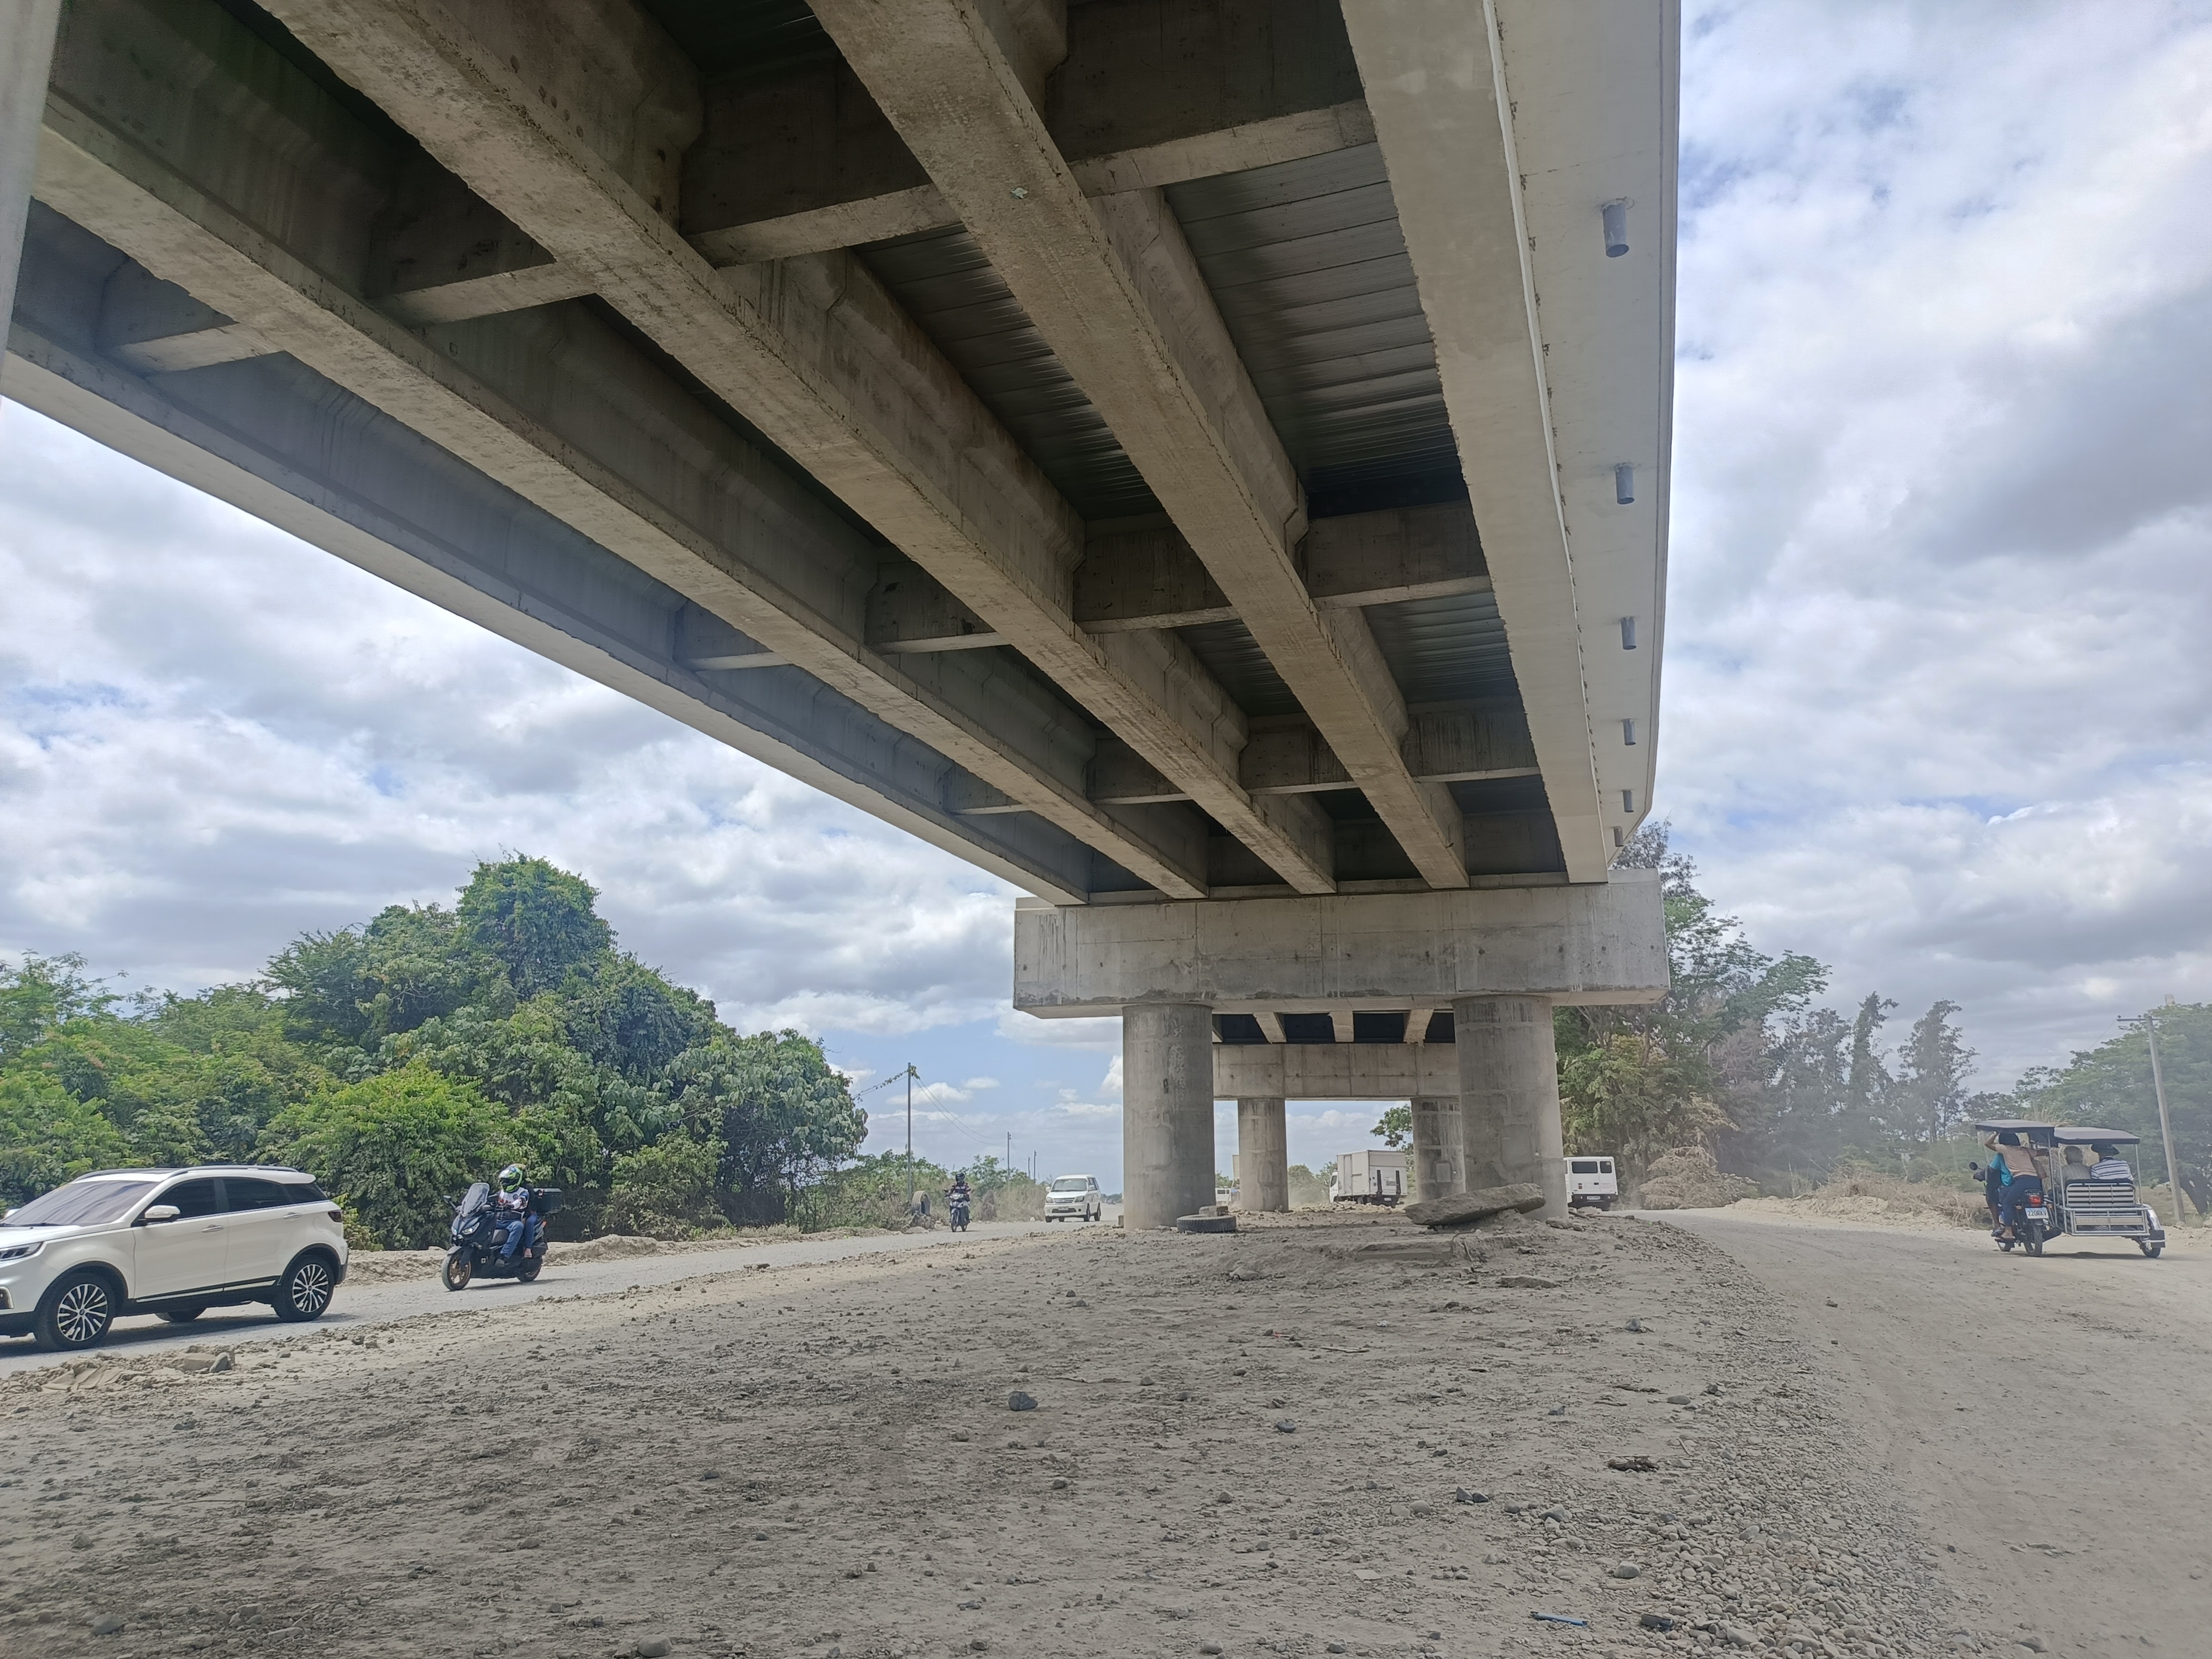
{"type": "Point", "coordinates": [517, 1234]}
{"type": "Point", "coordinates": [2024, 1191]}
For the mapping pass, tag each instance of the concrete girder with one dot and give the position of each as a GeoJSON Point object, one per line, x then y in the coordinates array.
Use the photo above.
{"type": "Point", "coordinates": [1284, 754]}
{"type": "Point", "coordinates": [793, 577]}
{"type": "Point", "coordinates": [1149, 577]}
{"type": "Point", "coordinates": [1500, 171]}
{"type": "Point", "coordinates": [1567, 944]}
{"type": "Point", "coordinates": [27, 47]}
{"type": "Point", "coordinates": [1114, 289]}
{"type": "Point", "coordinates": [278, 440]}
{"type": "Point", "coordinates": [820, 360]}
{"type": "Point", "coordinates": [1150, 93]}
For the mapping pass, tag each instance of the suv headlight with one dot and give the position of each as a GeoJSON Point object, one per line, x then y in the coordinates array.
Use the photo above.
{"type": "Point", "coordinates": [17, 1252]}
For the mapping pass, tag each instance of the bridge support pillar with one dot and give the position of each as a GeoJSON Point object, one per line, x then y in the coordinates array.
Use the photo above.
{"type": "Point", "coordinates": [1167, 1112]}
{"type": "Point", "coordinates": [1509, 1096]}
{"type": "Point", "coordinates": [1439, 1147]}
{"type": "Point", "coordinates": [1263, 1155]}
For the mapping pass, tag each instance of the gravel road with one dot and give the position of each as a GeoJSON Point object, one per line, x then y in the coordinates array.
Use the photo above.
{"type": "Point", "coordinates": [2050, 1420]}
{"type": "Point", "coordinates": [358, 1304]}
{"type": "Point", "coordinates": [1242, 1444]}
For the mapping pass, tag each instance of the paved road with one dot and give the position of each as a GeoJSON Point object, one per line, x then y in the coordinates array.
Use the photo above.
{"type": "Point", "coordinates": [358, 1303]}
{"type": "Point", "coordinates": [2052, 1418]}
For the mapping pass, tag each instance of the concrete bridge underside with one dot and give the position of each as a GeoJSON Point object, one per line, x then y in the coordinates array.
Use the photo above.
{"type": "Point", "coordinates": [1193, 459]}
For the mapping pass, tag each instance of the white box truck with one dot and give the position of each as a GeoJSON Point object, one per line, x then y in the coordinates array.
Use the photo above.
{"type": "Point", "coordinates": [1369, 1177]}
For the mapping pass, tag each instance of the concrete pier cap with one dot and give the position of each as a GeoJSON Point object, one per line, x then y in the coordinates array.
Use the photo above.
{"type": "Point", "coordinates": [1496, 960]}
{"type": "Point", "coordinates": [1598, 943]}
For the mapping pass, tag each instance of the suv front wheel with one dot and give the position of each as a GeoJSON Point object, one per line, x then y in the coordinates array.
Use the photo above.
{"type": "Point", "coordinates": [76, 1312]}
{"type": "Point", "coordinates": [304, 1293]}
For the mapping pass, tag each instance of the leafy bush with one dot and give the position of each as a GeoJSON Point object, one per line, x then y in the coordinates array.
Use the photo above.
{"type": "Point", "coordinates": [47, 1137]}
{"type": "Point", "coordinates": [666, 1189]}
{"type": "Point", "coordinates": [393, 1147]}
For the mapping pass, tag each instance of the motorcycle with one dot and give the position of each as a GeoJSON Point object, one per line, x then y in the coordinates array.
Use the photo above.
{"type": "Point", "coordinates": [479, 1236]}
{"type": "Point", "coordinates": [959, 1207]}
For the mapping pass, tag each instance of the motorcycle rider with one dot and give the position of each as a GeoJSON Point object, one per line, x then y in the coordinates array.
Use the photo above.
{"type": "Point", "coordinates": [513, 1202]}
{"type": "Point", "coordinates": [958, 1197]}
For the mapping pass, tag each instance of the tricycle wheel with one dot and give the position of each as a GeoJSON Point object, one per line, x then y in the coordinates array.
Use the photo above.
{"type": "Point", "coordinates": [2148, 1249]}
{"type": "Point", "coordinates": [460, 1267]}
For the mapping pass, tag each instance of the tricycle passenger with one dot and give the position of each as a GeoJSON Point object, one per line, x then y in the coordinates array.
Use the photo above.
{"type": "Point", "coordinates": [2076, 1168]}
{"type": "Point", "coordinates": [2110, 1165]}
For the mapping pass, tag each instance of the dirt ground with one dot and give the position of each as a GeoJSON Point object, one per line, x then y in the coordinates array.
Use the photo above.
{"type": "Point", "coordinates": [2051, 1420]}
{"type": "Point", "coordinates": [1245, 1444]}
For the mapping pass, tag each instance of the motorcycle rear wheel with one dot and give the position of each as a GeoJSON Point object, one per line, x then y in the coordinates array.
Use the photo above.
{"type": "Point", "coordinates": [530, 1268]}
{"type": "Point", "coordinates": [460, 1267]}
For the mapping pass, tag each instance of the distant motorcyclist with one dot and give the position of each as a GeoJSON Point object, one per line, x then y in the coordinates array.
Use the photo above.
{"type": "Point", "coordinates": [959, 1200]}
{"type": "Point", "coordinates": [513, 1202]}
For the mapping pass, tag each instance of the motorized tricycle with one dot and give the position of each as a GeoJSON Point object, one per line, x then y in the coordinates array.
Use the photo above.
{"type": "Point", "coordinates": [2074, 1203]}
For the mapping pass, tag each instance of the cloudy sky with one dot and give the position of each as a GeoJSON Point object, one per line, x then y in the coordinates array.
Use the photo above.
{"type": "Point", "coordinates": [1937, 677]}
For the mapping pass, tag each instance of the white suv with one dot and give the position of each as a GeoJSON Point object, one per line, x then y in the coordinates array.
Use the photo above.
{"type": "Point", "coordinates": [1073, 1196]}
{"type": "Point", "coordinates": [169, 1241]}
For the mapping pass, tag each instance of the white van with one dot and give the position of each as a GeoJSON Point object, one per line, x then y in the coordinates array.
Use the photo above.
{"type": "Point", "coordinates": [1591, 1180]}
{"type": "Point", "coordinates": [1074, 1198]}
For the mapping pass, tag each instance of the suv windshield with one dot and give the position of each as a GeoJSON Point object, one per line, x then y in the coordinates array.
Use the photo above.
{"type": "Point", "coordinates": [1071, 1184]}
{"type": "Point", "coordinates": [81, 1204]}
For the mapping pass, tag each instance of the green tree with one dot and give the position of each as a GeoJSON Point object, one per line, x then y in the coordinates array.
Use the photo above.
{"type": "Point", "coordinates": [1396, 1126]}
{"type": "Point", "coordinates": [782, 1116]}
{"type": "Point", "coordinates": [351, 989]}
{"type": "Point", "coordinates": [40, 994]}
{"type": "Point", "coordinates": [627, 1016]}
{"type": "Point", "coordinates": [2109, 1086]}
{"type": "Point", "coordinates": [1927, 1097]}
{"type": "Point", "coordinates": [393, 1147]}
{"type": "Point", "coordinates": [48, 1136]}
{"type": "Point", "coordinates": [536, 921]}
{"type": "Point", "coordinates": [1638, 1081]}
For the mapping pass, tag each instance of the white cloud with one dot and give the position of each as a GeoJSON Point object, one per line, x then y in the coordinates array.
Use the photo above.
{"type": "Point", "coordinates": [1935, 688]}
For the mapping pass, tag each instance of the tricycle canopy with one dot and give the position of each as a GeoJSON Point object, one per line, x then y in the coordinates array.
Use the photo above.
{"type": "Point", "coordinates": [2057, 1134]}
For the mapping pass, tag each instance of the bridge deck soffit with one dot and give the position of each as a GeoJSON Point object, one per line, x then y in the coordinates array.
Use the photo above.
{"type": "Point", "coordinates": [618, 279]}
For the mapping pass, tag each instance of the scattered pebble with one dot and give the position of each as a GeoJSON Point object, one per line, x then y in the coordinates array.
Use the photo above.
{"type": "Point", "coordinates": [1019, 1401]}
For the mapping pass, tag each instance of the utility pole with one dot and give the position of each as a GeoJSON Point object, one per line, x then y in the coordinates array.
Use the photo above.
{"type": "Point", "coordinates": [909, 1074]}
{"type": "Point", "coordinates": [2165, 1122]}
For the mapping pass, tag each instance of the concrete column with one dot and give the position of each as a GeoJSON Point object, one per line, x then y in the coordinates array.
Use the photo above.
{"type": "Point", "coordinates": [1439, 1147]}
{"type": "Point", "coordinates": [26, 58]}
{"type": "Point", "coordinates": [1167, 1112]}
{"type": "Point", "coordinates": [1509, 1094]}
{"type": "Point", "coordinates": [1263, 1156]}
